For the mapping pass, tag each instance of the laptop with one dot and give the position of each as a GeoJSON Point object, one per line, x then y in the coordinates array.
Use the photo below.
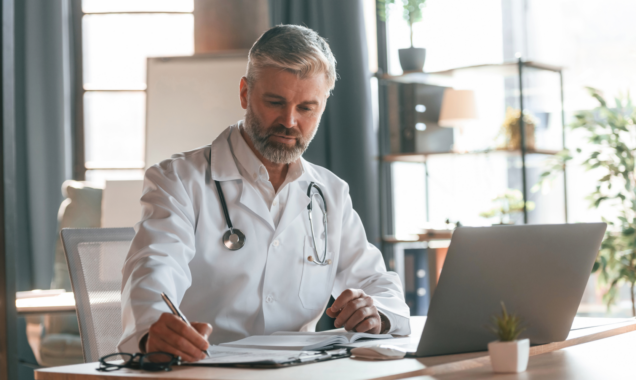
{"type": "Point", "coordinates": [538, 271]}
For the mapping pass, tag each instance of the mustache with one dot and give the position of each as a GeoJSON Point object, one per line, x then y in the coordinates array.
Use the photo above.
{"type": "Point", "coordinates": [282, 130]}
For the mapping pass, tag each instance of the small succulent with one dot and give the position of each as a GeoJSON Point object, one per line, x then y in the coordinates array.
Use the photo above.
{"type": "Point", "coordinates": [507, 326]}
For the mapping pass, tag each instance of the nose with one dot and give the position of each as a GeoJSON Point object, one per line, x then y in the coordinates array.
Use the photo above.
{"type": "Point", "coordinates": [289, 118]}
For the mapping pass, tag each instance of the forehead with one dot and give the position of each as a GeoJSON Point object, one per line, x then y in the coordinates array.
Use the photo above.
{"type": "Point", "coordinates": [286, 84]}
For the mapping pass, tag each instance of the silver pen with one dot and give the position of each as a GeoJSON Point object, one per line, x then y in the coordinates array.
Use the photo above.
{"type": "Point", "coordinates": [178, 313]}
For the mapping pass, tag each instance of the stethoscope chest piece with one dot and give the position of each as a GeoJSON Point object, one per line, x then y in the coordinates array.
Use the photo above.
{"type": "Point", "coordinates": [234, 239]}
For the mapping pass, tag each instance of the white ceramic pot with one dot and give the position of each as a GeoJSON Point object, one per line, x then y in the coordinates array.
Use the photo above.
{"type": "Point", "coordinates": [509, 357]}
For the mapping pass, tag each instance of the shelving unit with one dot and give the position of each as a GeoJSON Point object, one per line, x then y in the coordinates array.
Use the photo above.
{"type": "Point", "coordinates": [523, 86]}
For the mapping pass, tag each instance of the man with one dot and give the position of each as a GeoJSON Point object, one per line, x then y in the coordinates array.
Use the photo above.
{"type": "Point", "coordinates": [281, 279]}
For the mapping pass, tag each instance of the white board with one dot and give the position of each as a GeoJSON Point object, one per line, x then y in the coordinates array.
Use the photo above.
{"type": "Point", "coordinates": [120, 203]}
{"type": "Point", "coordinates": [190, 101]}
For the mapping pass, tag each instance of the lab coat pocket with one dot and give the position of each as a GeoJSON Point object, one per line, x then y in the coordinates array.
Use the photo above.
{"type": "Point", "coordinates": [315, 284]}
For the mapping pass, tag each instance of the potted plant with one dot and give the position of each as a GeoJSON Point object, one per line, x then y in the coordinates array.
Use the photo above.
{"type": "Point", "coordinates": [507, 204]}
{"type": "Point", "coordinates": [508, 355]}
{"type": "Point", "coordinates": [412, 58]}
{"type": "Point", "coordinates": [511, 129]}
{"type": "Point", "coordinates": [611, 153]}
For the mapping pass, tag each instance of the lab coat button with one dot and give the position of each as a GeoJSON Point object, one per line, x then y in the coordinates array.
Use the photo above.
{"type": "Point", "coordinates": [270, 299]}
{"type": "Point", "coordinates": [275, 243]}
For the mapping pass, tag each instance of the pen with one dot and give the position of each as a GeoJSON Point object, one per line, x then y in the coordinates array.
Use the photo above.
{"type": "Point", "coordinates": [176, 312]}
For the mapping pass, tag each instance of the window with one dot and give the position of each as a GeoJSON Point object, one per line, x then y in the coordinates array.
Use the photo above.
{"type": "Point", "coordinates": [117, 37]}
{"type": "Point", "coordinates": [594, 43]}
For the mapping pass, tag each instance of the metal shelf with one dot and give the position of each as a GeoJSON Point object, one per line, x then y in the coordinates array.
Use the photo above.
{"type": "Point", "coordinates": [422, 157]}
{"type": "Point", "coordinates": [503, 69]}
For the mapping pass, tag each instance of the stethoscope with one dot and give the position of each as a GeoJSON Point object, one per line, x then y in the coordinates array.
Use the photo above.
{"type": "Point", "coordinates": [234, 239]}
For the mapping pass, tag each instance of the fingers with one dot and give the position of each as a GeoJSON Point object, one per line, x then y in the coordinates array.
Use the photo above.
{"type": "Point", "coordinates": [360, 315]}
{"type": "Point", "coordinates": [165, 339]}
{"type": "Point", "coordinates": [204, 329]}
{"type": "Point", "coordinates": [332, 314]}
{"type": "Point", "coordinates": [156, 343]}
{"type": "Point", "coordinates": [343, 299]}
{"type": "Point", "coordinates": [350, 308]}
{"type": "Point", "coordinates": [371, 325]}
{"type": "Point", "coordinates": [175, 324]}
{"type": "Point", "coordinates": [170, 334]}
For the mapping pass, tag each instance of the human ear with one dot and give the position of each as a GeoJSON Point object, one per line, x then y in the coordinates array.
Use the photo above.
{"type": "Point", "coordinates": [243, 90]}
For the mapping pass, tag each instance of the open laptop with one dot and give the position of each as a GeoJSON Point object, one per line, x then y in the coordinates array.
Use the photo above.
{"type": "Point", "coordinates": [538, 271]}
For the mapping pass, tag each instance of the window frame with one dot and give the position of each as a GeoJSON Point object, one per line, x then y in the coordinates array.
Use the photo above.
{"type": "Point", "coordinates": [79, 144]}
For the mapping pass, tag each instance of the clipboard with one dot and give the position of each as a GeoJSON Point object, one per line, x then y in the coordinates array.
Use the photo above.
{"type": "Point", "coordinates": [326, 355]}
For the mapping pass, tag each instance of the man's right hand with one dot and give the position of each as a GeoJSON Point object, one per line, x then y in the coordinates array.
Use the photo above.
{"type": "Point", "coordinates": [170, 334]}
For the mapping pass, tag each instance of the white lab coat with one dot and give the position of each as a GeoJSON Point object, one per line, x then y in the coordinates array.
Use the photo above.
{"type": "Point", "coordinates": [268, 285]}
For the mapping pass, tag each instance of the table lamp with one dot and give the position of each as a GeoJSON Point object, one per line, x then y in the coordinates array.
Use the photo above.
{"type": "Point", "coordinates": [458, 108]}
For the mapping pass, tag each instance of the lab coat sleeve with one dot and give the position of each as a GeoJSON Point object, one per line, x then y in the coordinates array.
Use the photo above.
{"type": "Point", "coordinates": [361, 266]}
{"type": "Point", "coordinates": [159, 253]}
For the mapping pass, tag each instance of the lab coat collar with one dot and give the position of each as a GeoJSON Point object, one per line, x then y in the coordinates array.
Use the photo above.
{"type": "Point", "coordinates": [223, 167]}
{"type": "Point", "coordinates": [309, 174]}
{"type": "Point", "coordinates": [222, 164]}
{"type": "Point", "coordinates": [296, 204]}
{"type": "Point", "coordinates": [248, 164]}
{"type": "Point", "coordinates": [298, 199]}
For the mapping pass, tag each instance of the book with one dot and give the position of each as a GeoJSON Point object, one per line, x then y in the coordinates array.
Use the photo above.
{"type": "Point", "coordinates": [304, 341]}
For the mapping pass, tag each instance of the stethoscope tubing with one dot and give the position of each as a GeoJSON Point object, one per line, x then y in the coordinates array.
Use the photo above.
{"type": "Point", "coordinates": [234, 239]}
{"type": "Point", "coordinates": [228, 221]}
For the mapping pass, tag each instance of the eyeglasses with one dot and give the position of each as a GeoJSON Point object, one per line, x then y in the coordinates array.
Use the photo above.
{"type": "Point", "coordinates": [152, 361]}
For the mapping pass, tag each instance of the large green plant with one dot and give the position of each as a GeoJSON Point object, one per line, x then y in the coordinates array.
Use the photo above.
{"type": "Point", "coordinates": [610, 153]}
{"type": "Point", "coordinates": [412, 11]}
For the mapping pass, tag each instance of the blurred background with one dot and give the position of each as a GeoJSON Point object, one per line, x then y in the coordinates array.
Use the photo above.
{"type": "Point", "coordinates": [460, 110]}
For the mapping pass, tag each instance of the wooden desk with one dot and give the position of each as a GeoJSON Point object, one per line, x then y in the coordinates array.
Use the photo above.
{"type": "Point", "coordinates": [61, 303]}
{"type": "Point", "coordinates": [349, 368]}
{"type": "Point", "coordinates": [611, 358]}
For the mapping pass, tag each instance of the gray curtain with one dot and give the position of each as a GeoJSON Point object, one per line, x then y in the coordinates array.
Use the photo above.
{"type": "Point", "coordinates": [36, 147]}
{"type": "Point", "coordinates": [44, 143]}
{"type": "Point", "coordinates": [346, 142]}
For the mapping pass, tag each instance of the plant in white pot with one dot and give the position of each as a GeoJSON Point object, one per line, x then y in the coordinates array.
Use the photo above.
{"type": "Point", "coordinates": [412, 58]}
{"type": "Point", "coordinates": [508, 354]}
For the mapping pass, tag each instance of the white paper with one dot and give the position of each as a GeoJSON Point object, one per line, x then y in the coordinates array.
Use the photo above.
{"type": "Point", "coordinates": [350, 336]}
{"type": "Point", "coordinates": [291, 342]}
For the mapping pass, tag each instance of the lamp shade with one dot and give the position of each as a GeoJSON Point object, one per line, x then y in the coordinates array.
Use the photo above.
{"type": "Point", "coordinates": [458, 108]}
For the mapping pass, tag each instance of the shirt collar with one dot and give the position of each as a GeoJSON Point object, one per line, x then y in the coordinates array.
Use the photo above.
{"type": "Point", "coordinates": [248, 164]}
{"type": "Point", "coordinates": [224, 164]}
{"type": "Point", "coordinates": [251, 167]}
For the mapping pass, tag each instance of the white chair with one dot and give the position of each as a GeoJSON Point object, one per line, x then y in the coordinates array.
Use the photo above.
{"type": "Point", "coordinates": [95, 258]}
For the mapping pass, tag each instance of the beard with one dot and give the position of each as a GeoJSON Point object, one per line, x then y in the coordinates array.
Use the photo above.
{"type": "Point", "coordinates": [278, 153]}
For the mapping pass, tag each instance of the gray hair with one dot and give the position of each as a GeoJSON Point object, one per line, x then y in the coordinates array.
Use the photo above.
{"type": "Point", "coordinates": [293, 48]}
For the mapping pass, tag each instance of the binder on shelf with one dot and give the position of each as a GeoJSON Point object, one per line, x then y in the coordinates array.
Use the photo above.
{"type": "Point", "coordinates": [413, 111]}
{"type": "Point", "coordinates": [417, 287]}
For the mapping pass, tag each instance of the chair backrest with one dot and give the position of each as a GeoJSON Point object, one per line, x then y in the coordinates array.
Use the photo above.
{"type": "Point", "coordinates": [95, 258]}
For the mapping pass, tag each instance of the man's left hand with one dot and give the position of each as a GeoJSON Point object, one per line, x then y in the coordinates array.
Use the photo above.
{"type": "Point", "coordinates": [354, 311]}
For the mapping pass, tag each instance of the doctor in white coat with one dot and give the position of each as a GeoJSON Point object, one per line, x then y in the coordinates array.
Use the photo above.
{"type": "Point", "coordinates": [274, 282]}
